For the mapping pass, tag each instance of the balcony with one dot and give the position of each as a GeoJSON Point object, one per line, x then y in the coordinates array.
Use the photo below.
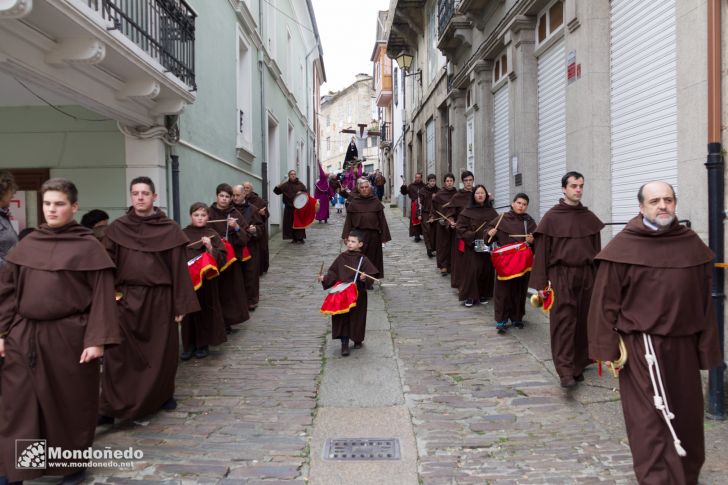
{"type": "Point", "coordinates": [164, 29]}
{"type": "Point", "coordinates": [454, 29]}
{"type": "Point", "coordinates": [385, 135]}
{"type": "Point", "coordinates": [445, 11]}
{"type": "Point", "coordinates": [130, 60]}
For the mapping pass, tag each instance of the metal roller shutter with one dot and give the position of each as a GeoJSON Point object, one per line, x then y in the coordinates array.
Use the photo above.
{"type": "Point", "coordinates": [551, 125]}
{"type": "Point", "coordinates": [500, 147]}
{"type": "Point", "coordinates": [643, 100]}
{"type": "Point", "coordinates": [430, 147]}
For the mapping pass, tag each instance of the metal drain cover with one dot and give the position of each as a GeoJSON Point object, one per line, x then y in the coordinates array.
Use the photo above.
{"type": "Point", "coordinates": [359, 449]}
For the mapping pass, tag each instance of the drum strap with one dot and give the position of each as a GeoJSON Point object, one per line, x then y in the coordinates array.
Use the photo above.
{"type": "Point", "coordinates": [358, 267]}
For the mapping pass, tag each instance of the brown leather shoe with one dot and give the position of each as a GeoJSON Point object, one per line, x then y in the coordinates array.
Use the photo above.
{"type": "Point", "coordinates": [568, 382]}
{"type": "Point", "coordinates": [358, 345]}
{"type": "Point", "coordinates": [344, 349]}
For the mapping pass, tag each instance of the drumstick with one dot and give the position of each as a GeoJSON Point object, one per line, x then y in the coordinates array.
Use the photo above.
{"type": "Point", "coordinates": [200, 240]}
{"type": "Point", "coordinates": [354, 269]}
{"type": "Point", "coordinates": [496, 225]}
{"type": "Point", "coordinates": [445, 217]}
{"type": "Point", "coordinates": [217, 220]}
{"type": "Point", "coordinates": [518, 235]}
{"type": "Point", "coordinates": [480, 227]}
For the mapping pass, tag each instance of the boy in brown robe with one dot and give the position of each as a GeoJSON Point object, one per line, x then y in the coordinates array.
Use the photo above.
{"type": "Point", "coordinates": [57, 317]}
{"type": "Point", "coordinates": [151, 275]}
{"type": "Point", "coordinates": [427, 215]}
{"type": "Point", "coordinates": [653, 289]}
{"type": "Point", "coordinates": [510, 295]}
{"type": "Point", "coordinates": [230, 227]}
{"type": "Point", "coordinates": [206, 327]}
{"type": "Point", "coordinates": [252, 222]}
{"type": "Point", "coordinates": [366, 213]}
{"type": "Point", "coordinates": [262, 206]}
{"type": "Point", "coordinates": [288, 190]}
{"type": "Point", "coordinates": [444, 235]}
{"type": "Point", "coordinates": [566, 241]}
{"type": "Point", "coordinates": [350, 325]}
{"type": "Point", "coordinates": [413, 192]}
{"type": "Point", "coordinates": [457, 203]}
{"type": "Point", "coordinates": [477, 276]}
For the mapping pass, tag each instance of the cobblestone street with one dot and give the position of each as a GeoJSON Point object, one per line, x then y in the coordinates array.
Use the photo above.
{"type": "Point", "coordinates": [469, 406]}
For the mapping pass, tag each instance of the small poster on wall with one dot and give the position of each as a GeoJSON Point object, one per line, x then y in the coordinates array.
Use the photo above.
{"type": "Point", "coordinates": [17, 211]}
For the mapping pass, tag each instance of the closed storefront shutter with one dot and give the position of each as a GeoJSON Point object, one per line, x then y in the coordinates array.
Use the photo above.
{"type": "Point", "coordinates": [430, 144]}
{"type": "Point", "coordinates": [500, 147]}
{"type": "Point", "coordinates": [551, 125]}
{"type": "Point", "coordinates": [643, 100]}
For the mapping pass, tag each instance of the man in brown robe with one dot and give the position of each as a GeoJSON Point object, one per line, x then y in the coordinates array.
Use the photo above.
{"type": "Point", "coordinates": [457, 203]}
{"type": "Point", "coordinates": [653, 290]}
{"type": "Point", "coordinates": [352, 324]}
{"type": "Point", "coordinates": [566, 241]}
{"type": "Point", "coordinates": [252, 222]}
{"type": "Point", "coordinates": [229, 225]}
{"type": "Point", "coordinates": [206, 327]}
{"type": "Point", "coordinates": [413, 192]}
{"type": "Point", "coordinates": [366, 213]}
{"type": "Point", "coordinates": [477, 275]}
{"type": "Point", "coordinates": [262, 206]}
{"type": "Point", "coordinates": [427, 215]}
{"type": "Point", "coordinates": [444, 235]}
{"type": "Point", "coordinates": [289, 189]}
{"type": "Point", "coordinates": [510, 295]}
{"type": "Point", "coordinates": [57, 317]}
{"type": "Point", "coordinates": [151, 275]}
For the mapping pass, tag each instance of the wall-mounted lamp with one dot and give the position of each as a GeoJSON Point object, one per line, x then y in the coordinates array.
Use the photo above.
{"type": "Point", "coordinates": [404, 61]}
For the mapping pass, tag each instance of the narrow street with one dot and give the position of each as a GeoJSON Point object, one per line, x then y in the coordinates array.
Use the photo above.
{"type": "Point", "coordinates": [468, 406]}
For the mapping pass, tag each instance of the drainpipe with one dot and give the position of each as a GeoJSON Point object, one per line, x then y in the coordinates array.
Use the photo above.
{"type": "Point", "coordinates": [263, 119]}
{"type": "Point", "coordinates": [173, 135]}
{"type": "Point", "coordinates": [716, 213]}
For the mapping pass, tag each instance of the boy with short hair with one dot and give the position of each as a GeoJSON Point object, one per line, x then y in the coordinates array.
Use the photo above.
{"type": "Point", "coordinates": [352, 324]}
{"type": "Point", "coordinates": [57, 317]}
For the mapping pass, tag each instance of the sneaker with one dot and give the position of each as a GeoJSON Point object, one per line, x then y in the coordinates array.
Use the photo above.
{"type": "Point", "coordinates": [102, 420]}
{"type": "Point", "coordinates": [568, 382]}
{"type": "Point", "coordinates": [358, 345]}
{"type": "Point", "coordinates": [483, 300]}
{"type": "Point", "coordinates": [418, 239]}
{"type": "Point", "coordinates": [344, 349]}
{"type": "Point", "coordinates": [501, 327]}
{"type": "Point", "coordinates": [430, 254]}
{"type": "Point", "coordinates": [202, 352]}
{"type": "Point", "coordinates": [187, 354]}
{"type": "Point", "coordinates": [170, 404]}
{"type": "Point", "coordinates": [579, 378]}
{"type": "Point", "coordinates": [518, 324]}
{"type": "Point", "coordinates": [469, 302]}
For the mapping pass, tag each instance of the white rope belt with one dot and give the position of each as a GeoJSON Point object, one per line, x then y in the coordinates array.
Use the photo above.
{"type": "Point", "coordinates": [660, 397]}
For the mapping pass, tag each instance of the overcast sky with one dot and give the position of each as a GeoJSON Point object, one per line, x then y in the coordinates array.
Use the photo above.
{"type": "Point", "coordinates": [348, 29]}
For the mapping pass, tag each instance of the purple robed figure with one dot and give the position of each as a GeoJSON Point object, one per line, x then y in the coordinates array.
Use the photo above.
{"type": "Point", "coordinates": [351, 176]}
{"type": "Point", "coordinates": [323, 192]}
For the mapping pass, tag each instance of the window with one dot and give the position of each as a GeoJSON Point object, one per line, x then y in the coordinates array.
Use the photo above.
{"type": "Point", "coordinates": [432, 52]}
{"type": "Point", "coordinates": [243, 94]}
{"type": "Point", "coordinates": [395, 87]}
{"type": "Point", "coordinates": [550, 21]}
{"type": "Point", "coordinates": [500, 67]}
{"type": "Point", "coordinates": [271, 31]}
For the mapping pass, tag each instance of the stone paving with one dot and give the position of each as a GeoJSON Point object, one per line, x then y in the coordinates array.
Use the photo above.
{"type": "Point", "coordinates": [484, 408]}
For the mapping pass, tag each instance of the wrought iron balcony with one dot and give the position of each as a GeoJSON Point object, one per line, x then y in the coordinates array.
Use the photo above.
{"type": "Point", "coordinates": [164, 29]}
{"type": "Point", "coordinates": [445, 12]}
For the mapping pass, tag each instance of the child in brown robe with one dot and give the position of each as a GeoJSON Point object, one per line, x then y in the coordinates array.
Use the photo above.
{"type": "Point", "coordinates": [206, 327]}
{"type": "Point", "coordinates": [57, 317]}
{"type": "Point", "coordinates": [350, 325]}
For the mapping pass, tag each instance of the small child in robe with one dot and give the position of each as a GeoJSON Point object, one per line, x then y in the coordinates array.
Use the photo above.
{"type": "Point", "coordinates": [352, 324]}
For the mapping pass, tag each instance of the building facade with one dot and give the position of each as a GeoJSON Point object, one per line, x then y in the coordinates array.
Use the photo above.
{"type": "Point", "coordinates": [190, 94]}
{"type": "Point", "coordinates": [346, 114]}
{"type": "Point", "coordinates": [382, 67]}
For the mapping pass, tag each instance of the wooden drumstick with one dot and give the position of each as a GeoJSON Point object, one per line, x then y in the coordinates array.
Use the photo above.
{"type": "Point", "coordinates": [200, 240]}
{"type": "Point", "coordinates": [217, 220]}
{"type": "Point", "coordinates": [496, 225]}
{"type": "Point", "coordinates": [480, 227]}
{"type": "Point", "coordinates": [445, 217]}
{"type": "Point", "coordinates": [518, 235]}
{"type": "Point", "coordinates": [371, 277]}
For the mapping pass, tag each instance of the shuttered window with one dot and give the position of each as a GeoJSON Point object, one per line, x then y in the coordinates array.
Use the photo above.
{"type": "Point", "coordinates": [551, 125]}
{"type": "Point", "coordinates": [643, 100]}
{"type": "Point", "coordinates": [501, 152]}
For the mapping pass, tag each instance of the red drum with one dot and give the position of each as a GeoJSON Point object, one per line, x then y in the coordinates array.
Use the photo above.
{"type": "Point", "coordinates": [230, 254]}
{"type": "Point", "coordinates": [413, 215]}
{"type": "Point", "coordinates": [246, 253]}
{"type": "Point", "coordinates": [340, 299]}
{"type": "Point", "coordinates": [512, 260]}
{"type": "Point", "coordinates": [303, 217]}
{"type": "Point", "coordinates": [202, 267]}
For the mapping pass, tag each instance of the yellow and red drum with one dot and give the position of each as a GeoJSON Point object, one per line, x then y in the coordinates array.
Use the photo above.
{"type": "Point", "coordinates": [201, 268]}
{"type": "Point", "coordinates": [512, 260]}
{"type": "Point", "coordinates": [340, 298]}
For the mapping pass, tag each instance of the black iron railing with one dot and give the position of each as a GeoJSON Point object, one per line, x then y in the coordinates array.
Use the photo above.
{"type": "Point", "coordinates": [385, 133]}
{"type": "Point", "coordinates": [164, 29]}
{"type": "Point", "coordinates": [445, 11]}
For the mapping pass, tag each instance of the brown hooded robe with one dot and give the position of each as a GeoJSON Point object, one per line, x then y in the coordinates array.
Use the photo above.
{"type": "Point", "coordinates": [206, 327]}
{"type": "Point", "coordinates": [151, 274]}
{"type": "Point", "coordinates": [459, 201]}
{"type": "Point", "coordinates": [261, 203]}
{"type": "Point", "coordinates": [367, 215]}
{"type": "Point", "coordinates": [289, 190]}
{"type": "Point", "coordinates": [658, 283]}
{"type": "Point", "coordinates": [510, 295]}
{"type": "Point", "coordinates": [251, 267]}
{"type": "Point", "coordinates": [413, 192]}
{"type": "Point", "coordinates": [566, 241]}
{"type": "Point", "coordinates": [56, 299]}
{"type": "Point", "coordinates": [444, 235]}
{"type": "Point", "coordinates": [352, 324]}
{"type": "Point", "coordinates": [233, 297]}
{"type": "Point", "coordinates": [429, 230]}
{"type": "Point", "coordinates": [477, 275]}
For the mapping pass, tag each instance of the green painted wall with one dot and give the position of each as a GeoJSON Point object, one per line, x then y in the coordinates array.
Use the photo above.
{"type": "Point", "coordinates": [91, 154]}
